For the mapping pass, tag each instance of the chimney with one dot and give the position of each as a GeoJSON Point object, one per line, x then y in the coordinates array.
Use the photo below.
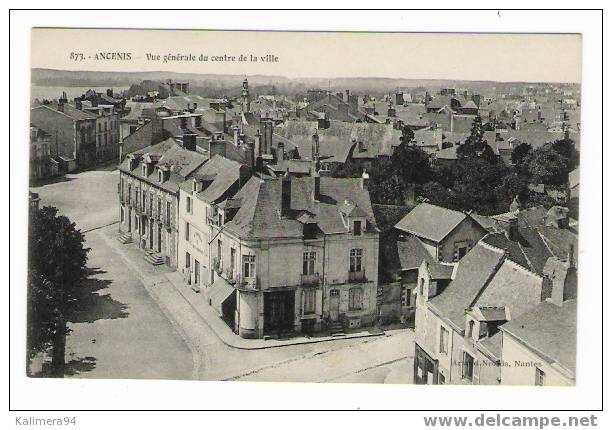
{"type": "Point", "coordinates": [353, 102]}
{"type": "Point", "coordinates": [280, 151]}
{"type": "Point", "coordinates": [195, 106]}
{"type": "Point", "coordinates": [316, 189]}
{"type": "Point", "coordinates": [285, 194]}
{"type": "Point", "coordinates": [348, 93]}
{"type": "Point", "coordinates": [513, 229]}
{"type": "Point", "coordinates": [315, 147]}
{"type": "Point", "coordinates": [236, 129]}
{"type": "Point", "coordinates": [61, 102]}
{"type": "Point", "coordinates": [266, 138]}
{"type": "Point", "coordinates": [562, 280]}
{"type": "Point", "coordinates": [216, 146]}
{"type": "Point", "coordinates": [109, 92]}
{"type": "Point", "coordinates": [78, 103]}
{"type": "Point", "coordinates": [189, 141]}
{"type": "Point", "coordinates": [343, 108]}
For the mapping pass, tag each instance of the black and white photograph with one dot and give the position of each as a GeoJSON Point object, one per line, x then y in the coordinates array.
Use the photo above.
{"type": "Point", "coordinates": [226, 216]}
{"type": "Point", "coordinates": [263, 228]}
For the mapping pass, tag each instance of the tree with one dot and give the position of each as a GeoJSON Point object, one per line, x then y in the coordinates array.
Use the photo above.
{"type": "Point", "coordinates": [410, 162]}
{"type": "Point", "coordinates": [56, 270]}
{"type": "Point", "coordinates": [547, 166]}
{"type": "Point", "coordinates": [475, 144]}
{"type": "Point", "coordinates": [520, 152]}
{"type": "Point", "coordinates": [566, 148]}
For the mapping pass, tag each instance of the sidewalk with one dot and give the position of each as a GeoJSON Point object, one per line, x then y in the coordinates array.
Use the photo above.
{"type": "Point", "coordinates": [199, 303]}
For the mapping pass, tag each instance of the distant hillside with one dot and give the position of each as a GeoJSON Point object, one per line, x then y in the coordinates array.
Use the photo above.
{"type": "Point", "coordinates": [218, 85]}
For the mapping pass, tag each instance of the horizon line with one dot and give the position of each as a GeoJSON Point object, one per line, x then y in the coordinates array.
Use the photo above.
{"type": "Point", "coordinates": [310, 77]}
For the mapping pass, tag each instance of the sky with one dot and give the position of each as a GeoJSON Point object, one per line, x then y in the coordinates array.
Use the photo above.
{"type": "Point", "coordinates": [495, 57]}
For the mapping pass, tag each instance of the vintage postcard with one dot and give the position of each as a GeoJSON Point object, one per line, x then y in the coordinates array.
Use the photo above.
{"type": "Point", "coordinates": [397, 208]}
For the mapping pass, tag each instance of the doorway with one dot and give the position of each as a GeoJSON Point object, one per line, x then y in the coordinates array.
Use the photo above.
{"type": "Point", "coordinates": [334, 304]}
{"type": "Point", "coordinates": [279, 310]}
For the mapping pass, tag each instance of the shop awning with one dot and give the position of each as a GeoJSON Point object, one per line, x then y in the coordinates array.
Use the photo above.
{"type": "Point", "coordinates": [221, 290]}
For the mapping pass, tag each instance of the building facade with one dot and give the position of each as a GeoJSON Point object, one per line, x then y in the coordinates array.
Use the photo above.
{"type": "Point", "coordinates": [149, 197]}
{"type": "Point", "coordinates": [300, 256]}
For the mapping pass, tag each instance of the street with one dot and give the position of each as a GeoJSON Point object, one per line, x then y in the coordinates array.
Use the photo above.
{"type": "Point", "coordinates": [139, 326]}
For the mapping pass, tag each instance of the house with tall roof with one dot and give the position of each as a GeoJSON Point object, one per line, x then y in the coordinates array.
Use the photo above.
{"type": "Point", "coordinates": [149, 182]}
{"type": "Point", "coordinates": [299, 253]}
{"type": "Point", "coordinates": [540, 346]}
{"type": "Point", "coordinates": [447, 235]}
{"type": "Point", "coordinates": [510, 272]}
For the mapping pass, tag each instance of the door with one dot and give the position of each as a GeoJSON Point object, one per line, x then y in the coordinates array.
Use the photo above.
{"type": "Point", "coordinates": [334, 304]}
{"type": "Point", "coordinates": [196, 272]}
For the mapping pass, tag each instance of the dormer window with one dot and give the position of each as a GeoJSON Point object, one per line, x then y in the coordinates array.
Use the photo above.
{"type": "Point", "coordinates": [144, 169]}
{"type": "Point", "coordinates": [160, 176]}
{"type": "Point", "coordinates": [357, 228]}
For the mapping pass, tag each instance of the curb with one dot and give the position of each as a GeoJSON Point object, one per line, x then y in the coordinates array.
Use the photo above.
{"type": "Point", "coordinates": [238, 345]}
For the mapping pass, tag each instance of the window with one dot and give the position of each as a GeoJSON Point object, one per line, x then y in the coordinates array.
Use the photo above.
{"type": "Point", "coordinates": [144, 170]}
{"type": "Point", "coordinates": [468, 366]}
{"type": "Point", "coordinates": [540, 377]}
{"type": "Point", "coordinates": [461, 248]}
{"type": "Point", "coordinates": [137, 197]}
{"type": "Point", "coordinates": [334, 293]}
{"type": "Point", "coordinates": [186, 231]}
{"type": "Point", "coordinates": [220, 218]}
{"type": "Point", "coordinates": [188, 204]}
{"type": "Point", "coordinates": [159, 207]}
{"type": "Point", "coordinates": [248, 266]}
{"type": "Point", "coordinates": [421, 286]}
{"type": "Point", "coordinates": [441, 379]}
{"type": "Point", "coordinates": [233, 259]}
{"type": "Point", "coordinates": [159, 176]}
{"type": "Point", "coordinates": [443, 340]}
{"type": "Point", "coordinates": [219, 247]}
{"type": "Point", "coordinates": [308, 264]}
{"type": "Point", "coordinates": [122, 215]}
{"type": "Point", "coordinates": [196, 272]}
{"type": "Point", "coordinates": [355, 260]}
{"type": "Point", "coordinates": [355, 299]}
{"type": "Point", "coordinates": [187, 260]}
{"type": "Point", "coordinates": [168, 212]}
{"type": "Point", "coordinates": [357, 228]}
{"type": "Point", "coordinates": [405, 296]}
{"type": "Point", "coordinates": [310, 300]}
{"type": "Point", "coordinates": [129, 195]}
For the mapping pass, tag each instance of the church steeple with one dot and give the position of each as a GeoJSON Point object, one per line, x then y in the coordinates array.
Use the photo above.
{"type": "Point", "coordinates": [246, 101]}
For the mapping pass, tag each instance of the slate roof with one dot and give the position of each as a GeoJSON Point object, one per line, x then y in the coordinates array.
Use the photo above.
{"type": "Point", "coordinates": [412, 252]}
{"type": "Point", "coordinates": [221, 172]}
{"type": "Point", "coordinates": [259, 214]}
{"type": "Point", "coordinates": [69, 111]}
{"type": "Point", "coordinates": [181, 162]}
{"type": "Point", "coordinates": [428, 138]}
{"type": "Point", "coordinates": [472, 273]}
{"type": "Point", "coordinates": [574, 178]}
{"type": "Point", "coordinates": [550, 331]}
{"type": "Point", "coordinates": [430, 221]}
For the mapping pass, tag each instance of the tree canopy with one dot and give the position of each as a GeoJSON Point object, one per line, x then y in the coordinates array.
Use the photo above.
{"type": "Point", "coordinates": [56, 270]}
